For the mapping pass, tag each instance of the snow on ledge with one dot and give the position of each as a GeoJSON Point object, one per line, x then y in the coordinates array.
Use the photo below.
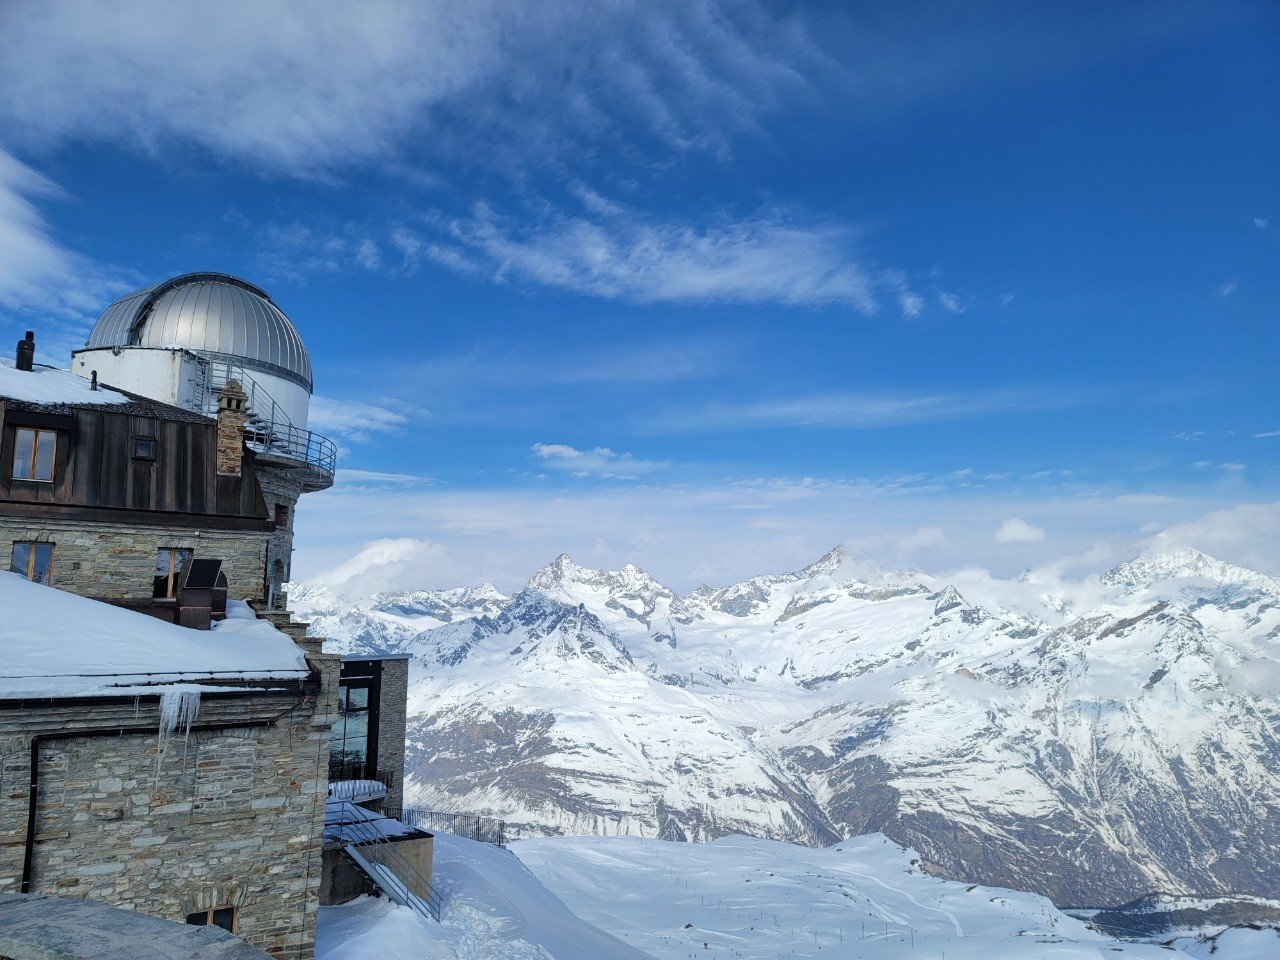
{"type": "Point", "coordinates": [51, 385]}
{"type": "Point", "coordinates": [56, 644]}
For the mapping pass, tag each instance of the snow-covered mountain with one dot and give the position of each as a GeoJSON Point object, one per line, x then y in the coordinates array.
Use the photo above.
{"type": "Point", "coordinates": [1093, 747]}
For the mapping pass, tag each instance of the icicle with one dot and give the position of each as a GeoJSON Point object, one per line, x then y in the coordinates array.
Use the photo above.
{"type": "Point", "coordinates": [179, 708]}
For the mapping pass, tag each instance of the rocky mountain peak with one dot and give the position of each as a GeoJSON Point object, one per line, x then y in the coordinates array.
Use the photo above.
{"type": "Point", "coordinates": [1148, 569]}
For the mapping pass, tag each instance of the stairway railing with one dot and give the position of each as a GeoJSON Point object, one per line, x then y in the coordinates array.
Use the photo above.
{"type": "Point", "coordinates": [390, 869]}
{"type": "Point", "coordinates": [269, 430]}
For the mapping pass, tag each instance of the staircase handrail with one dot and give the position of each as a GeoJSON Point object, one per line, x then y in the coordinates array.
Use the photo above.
{"type": "Point", "coordinates": [415, 891]}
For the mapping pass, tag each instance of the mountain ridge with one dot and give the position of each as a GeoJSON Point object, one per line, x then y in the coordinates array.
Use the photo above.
{"type": "Point", "coordinates": [1100, 755]}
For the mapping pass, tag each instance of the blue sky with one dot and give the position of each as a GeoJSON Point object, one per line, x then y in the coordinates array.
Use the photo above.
{"type": "Point", "coordinates": [707, 286]}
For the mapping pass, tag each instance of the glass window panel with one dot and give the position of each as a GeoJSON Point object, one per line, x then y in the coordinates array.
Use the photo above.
{"type": "Point", "coordinates": [144, 448]}
{"type": "Point", "coordinates": [357, 726]}
{"type": "Point", "coordinates": [43, 562]}
{"type": "Point", "coordinates": [21, 559]}
{"type": "Point", "coordinates": [46, 445]}
{"type": "Point", "coordinates": [225, 917]}
{"type": "Point", "coordinates": [358, 698]}
{"type": "Point", "coordinates": [23, 448]}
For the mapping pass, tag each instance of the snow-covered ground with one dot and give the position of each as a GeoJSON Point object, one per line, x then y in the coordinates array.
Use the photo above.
{"type": "Point", "coordinates": [495, 910]}
{"type": "Point", "coordinates": [737, 898]}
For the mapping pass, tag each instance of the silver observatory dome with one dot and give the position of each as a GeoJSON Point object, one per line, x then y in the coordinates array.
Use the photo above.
{"type": "Point", "coordinates": [213, 314]}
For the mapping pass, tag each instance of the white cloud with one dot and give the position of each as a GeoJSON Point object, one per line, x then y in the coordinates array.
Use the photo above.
{"type": "Point", "coordinates": [1260, 222]}
{"type": "Point", "coordinates": [1228, 288]}
{"type": "Point", "coordinates": [923, 539]}
{"type": "Point", "coordinates": [911, 304]}
{"type": "Point", "coordinates": [1268, 433]}
{"type": "Point", "coordinates": [308, 88]}
{"type": "Point", "coordinates": [619, 253]}
{"type": "Point", "coordinates": [1187, 435]}
{"type": "Point", "coordinates": [389, 564]}
{"type": "Point", "coordinates": [1014, 530]}
{"type": "Point", "coordinates": [1006, 299]}
{"type": "Point", "coordinates": [597, 462]}
{"type": "Point", "coordinates": [862, 411]}
{"type": "Point", "coordinates": [725, 531]}
{"type": "Point", "coordinates": [951, 302]}
{"type": "Point", "coordinates": [357, 420]}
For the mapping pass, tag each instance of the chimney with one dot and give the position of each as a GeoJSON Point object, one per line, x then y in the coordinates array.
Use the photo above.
{"type": "Point", "coordinates": [26, 351]}
{"type": "Point", "coordinates": [231, 418]}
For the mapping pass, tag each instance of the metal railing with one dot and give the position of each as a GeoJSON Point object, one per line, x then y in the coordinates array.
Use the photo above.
{"type": "Point", "coordinates": [269, 430]}
{"type": "Point", "coordinates": [469, 826]}
{"type": "Point", "coordinates": [391, 870]}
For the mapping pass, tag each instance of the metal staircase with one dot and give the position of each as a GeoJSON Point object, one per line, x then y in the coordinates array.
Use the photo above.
{"type": "Point", "coordinates": [269, 431]}
{"type": "Point", "coordinates": [391, 870]}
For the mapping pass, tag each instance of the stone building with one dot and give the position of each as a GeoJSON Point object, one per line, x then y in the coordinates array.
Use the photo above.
{"type": "Point", "coordinates": [182, 341]}
{"type": "Point", "coordinates": [182, 773]}
{"type": "Point", "coordinates": [176, 772]}
{"type": "Point", "coordinates": [108, 494]}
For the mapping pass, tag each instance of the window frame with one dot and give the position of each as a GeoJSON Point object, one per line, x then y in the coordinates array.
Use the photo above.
{"type": "Point", "coordinates": [137, 442]}
{"type": "Point", "coordinates": [33, 551]}
{"type": "Point", "coordinates": [369, 680]}
{"type": "Point", "coordinates": [174, 568]}
{"type": "Point", "coordinates": [208, 916]}
{"type": "Point", "coordinates": [33, 463]}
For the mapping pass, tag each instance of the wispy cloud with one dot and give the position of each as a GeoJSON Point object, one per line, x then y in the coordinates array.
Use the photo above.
{"type": "Point", "coordinates": [40, 277]}
{"type": "Point", "coordinates": [1228, 288]}
{"type": "Point", "coordinates": [309, 90]}
{"type": "Point", "coordinates": [597, 462]}
{"type": "Point", "coordinates": [1014, 530]}
{"type": "Point", "coordinates": [606, 250]}
{"type": "Point", "coordinates": [951, 303]}
{"type": "Point", "coordinates": [1260, 222]}
{"type": "Point", "coordinates": [862, 411]}
{"type": "Point", "coordinates": [357, 420]}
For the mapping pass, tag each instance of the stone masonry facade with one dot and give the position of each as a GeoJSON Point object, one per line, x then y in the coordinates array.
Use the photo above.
{"type": "Point", "coordinates": [228, 814]}
{"type": "Point", "coordinates": [280, 488]}
{"type": "Point", "coordinates": [111, 561]}
{"type": "Point", "coordinates": [393, 703]}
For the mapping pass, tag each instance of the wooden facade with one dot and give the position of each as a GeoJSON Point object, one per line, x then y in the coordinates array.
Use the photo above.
{"type": "Point", "coordinates": [105, 468]}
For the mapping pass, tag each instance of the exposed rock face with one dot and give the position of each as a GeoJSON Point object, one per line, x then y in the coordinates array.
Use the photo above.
{"type": "Point", "coordinates": [1091, 756]}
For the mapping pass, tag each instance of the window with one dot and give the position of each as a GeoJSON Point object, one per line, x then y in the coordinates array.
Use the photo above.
{"type": "Point", "coordinates": [33, 452]}
{"type": "Point", "coordinates": [144, 438]}
{"type": "Point", "coordinates": [169, 561]}
{"type": "Point", "coordinates": [353, 741]}
{"type": "Point", "coordinates": [224, 917]}
{"type": "Point", "coordinates": [282, 514]}
{"type": "Point", "coordinates": [32, 560]}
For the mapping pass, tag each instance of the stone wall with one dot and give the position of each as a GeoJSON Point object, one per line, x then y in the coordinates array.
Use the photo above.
{"type": "Point", "coordinates": [216, 817]}
{"type": "Point", "coordinates": [391, 727]}
{"type": "Point", "coordinates": [279, 488]}
{"type": "Point", "coordinates": [111, 561]}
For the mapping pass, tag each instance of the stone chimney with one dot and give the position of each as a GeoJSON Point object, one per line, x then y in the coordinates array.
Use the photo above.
{"type": "Point", "coordinates": [231, 418]}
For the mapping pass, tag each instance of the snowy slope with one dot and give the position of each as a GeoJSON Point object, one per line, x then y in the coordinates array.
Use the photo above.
{"type": "Point", "coordinates": [1092, 743]}
{"type": "Point", "coordinates": [747, 899]}
{"type": "Point", "coordinates": [495, 909]}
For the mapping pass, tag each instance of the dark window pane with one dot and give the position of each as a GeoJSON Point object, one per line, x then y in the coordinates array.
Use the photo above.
{"type": "Point", "coordinates": [144, 448]}
{"type": "Point", "coordinates": [358, 698]}
{"type": "Point", "coordinates": [43, 562]}
{"type": "Point", "coordinates": [21, 563]}
{"type": "Point", "coordinates": [225, 917]}
{"type": "Point", "coordinates": [46, 444]}
{"type": "Point", "coordinates": [23, 447]}
{"type": "Point", "coordinates": [200, 919]}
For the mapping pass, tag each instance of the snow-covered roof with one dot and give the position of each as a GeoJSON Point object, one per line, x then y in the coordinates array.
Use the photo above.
{"type": "Point", "coordinates": [53, 386]}
{"type": "Point", "coordinates": [56, 644]}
